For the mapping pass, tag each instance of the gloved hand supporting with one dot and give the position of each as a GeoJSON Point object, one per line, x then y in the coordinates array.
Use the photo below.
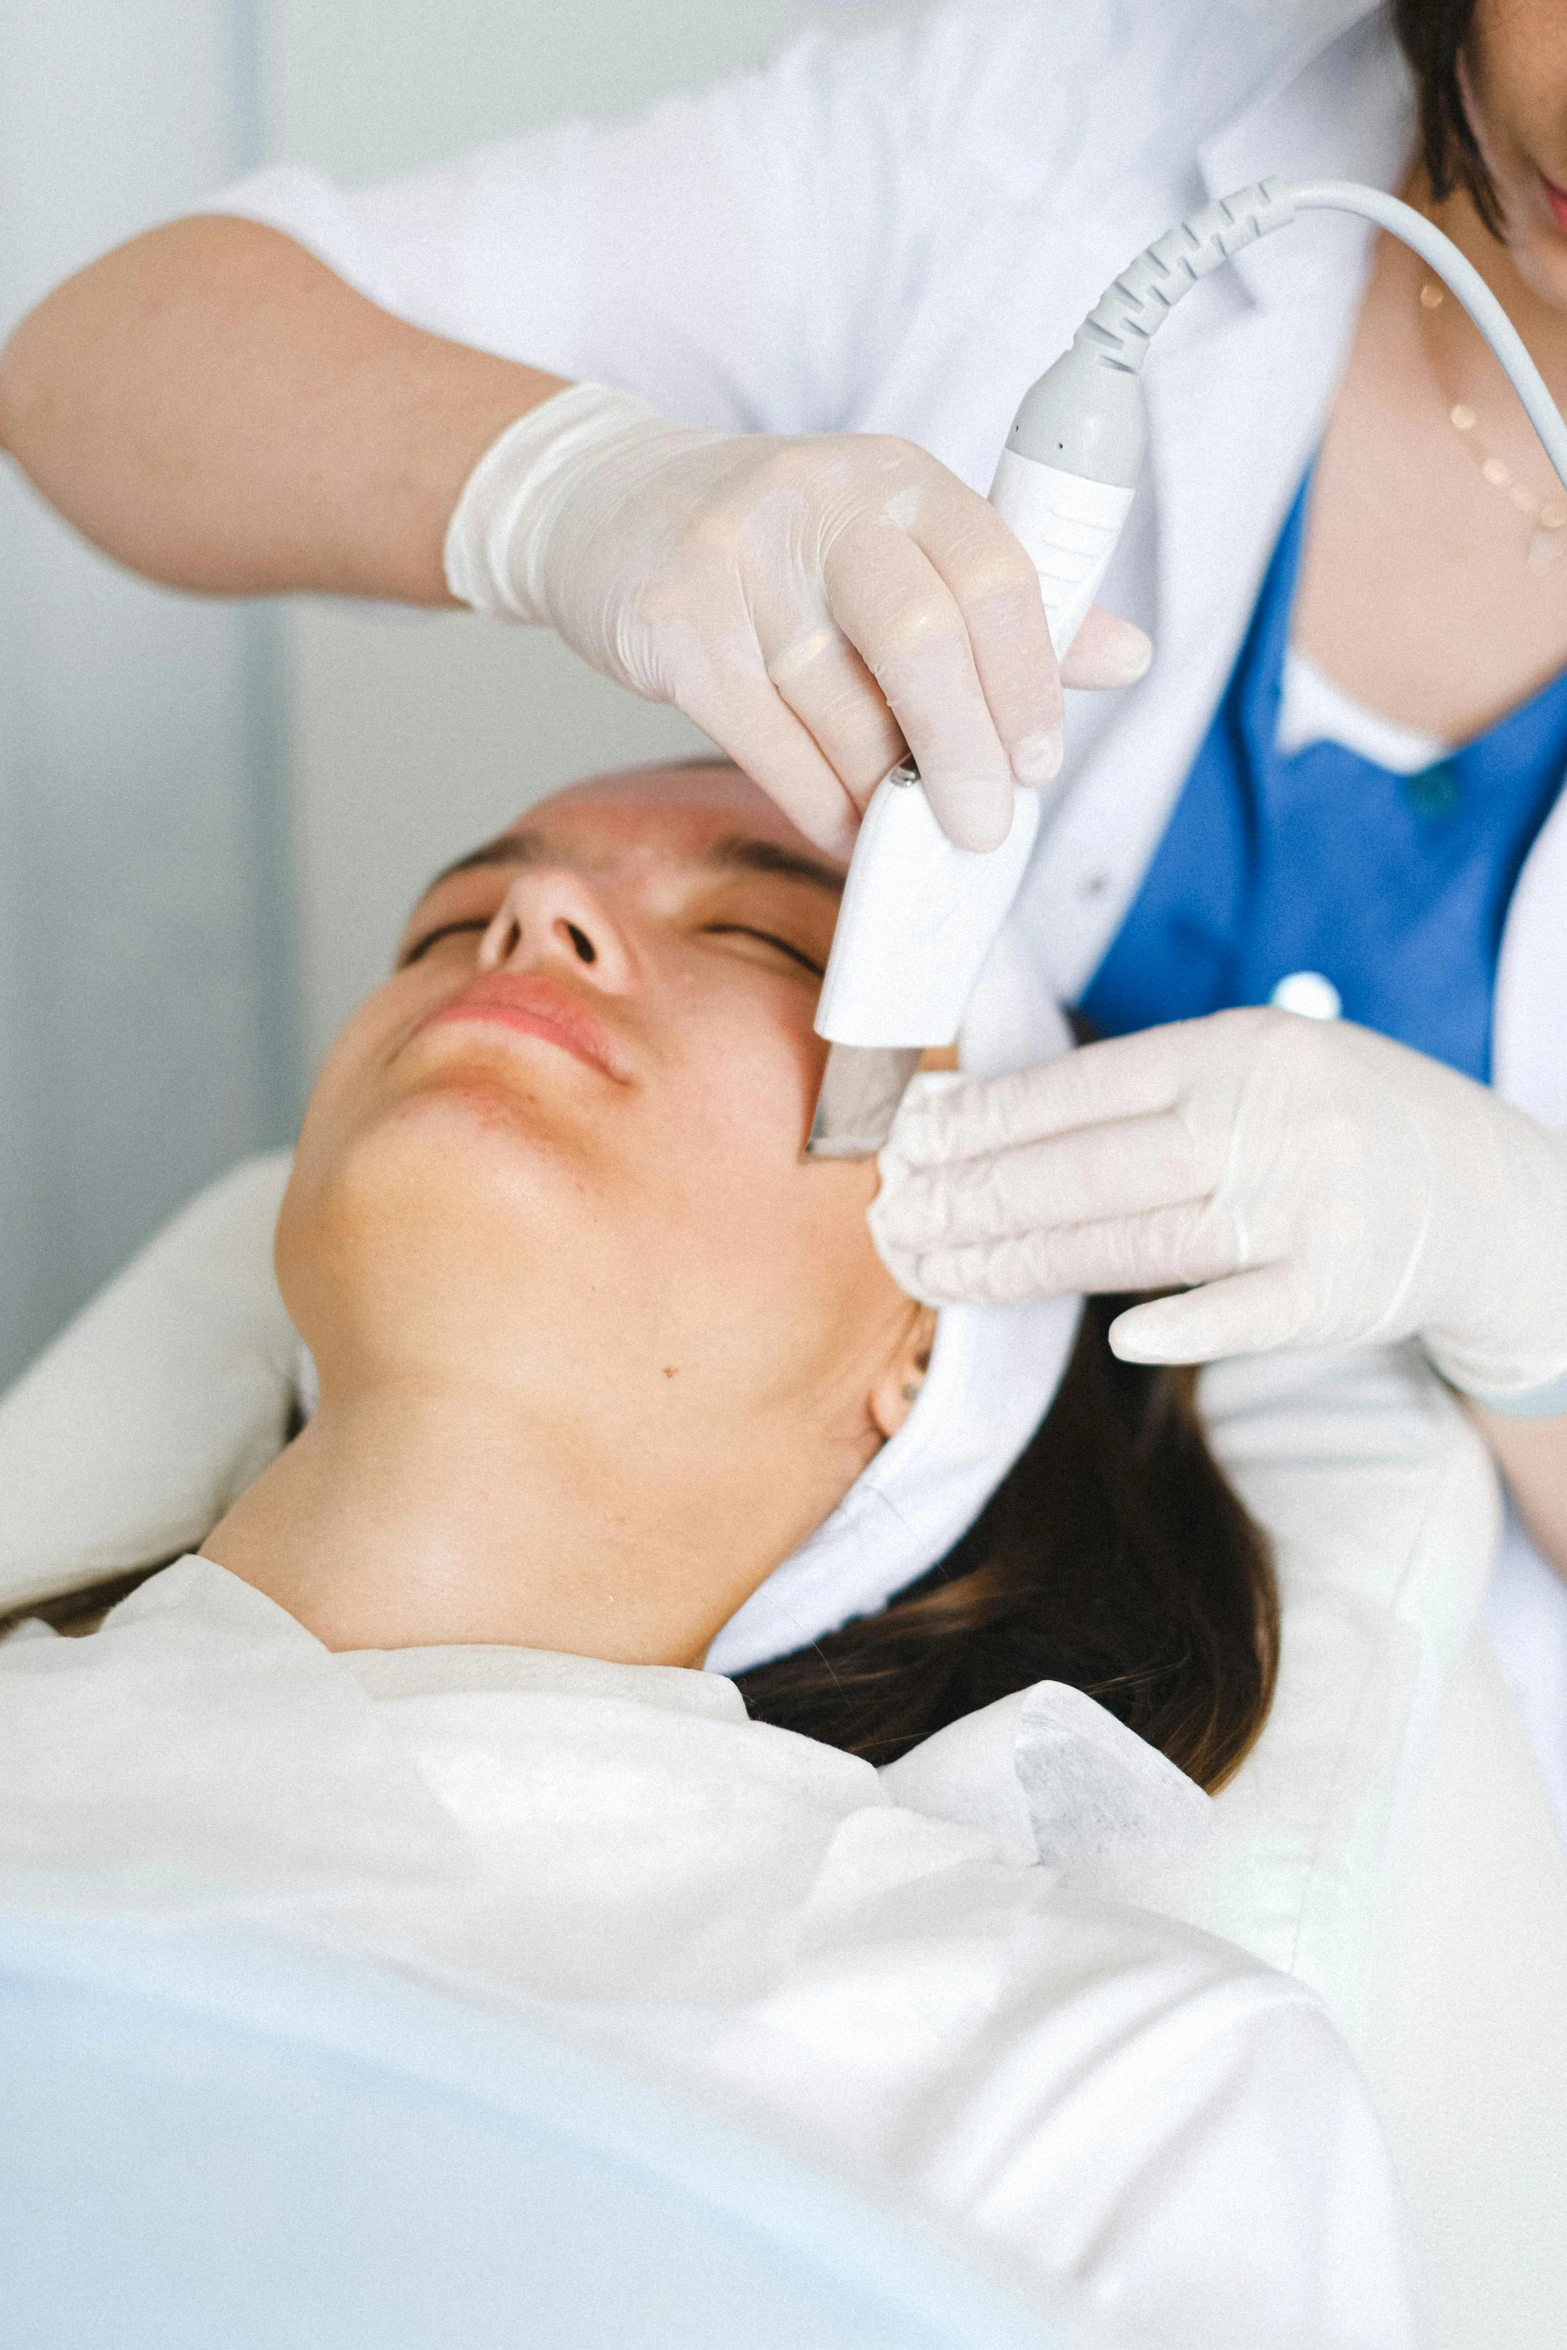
{"type": "Point", "coordinates": [1302, 1181]}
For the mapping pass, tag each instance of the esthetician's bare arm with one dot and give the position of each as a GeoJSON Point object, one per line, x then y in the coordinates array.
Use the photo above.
{"type": "Point", "coordinates": [214, 407]}
{"type": "Point", "coordinates": [1533, 1457]}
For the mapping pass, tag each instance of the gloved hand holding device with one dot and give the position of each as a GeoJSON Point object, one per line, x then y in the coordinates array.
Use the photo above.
{"type": "Point", "coordinates": [813, 603]}
{"type": "Point", "coordinates": [1313, 1182]}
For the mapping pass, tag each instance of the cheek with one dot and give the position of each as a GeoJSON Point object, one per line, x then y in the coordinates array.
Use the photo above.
{"type": "Point", "coordinates": [349, 1097]}
{"type": "Point", "coordinates": [733, 1104]}
{"type": "Point", "coordinates": [732, 1191]}
{"type": "Point", "coordinates": [1515, 82]}
{"type": "Point", "coordinates": [345, 1097]}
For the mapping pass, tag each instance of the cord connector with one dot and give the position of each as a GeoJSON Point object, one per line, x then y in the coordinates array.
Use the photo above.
{"type": "Point", "coordinates": [1130, 312]}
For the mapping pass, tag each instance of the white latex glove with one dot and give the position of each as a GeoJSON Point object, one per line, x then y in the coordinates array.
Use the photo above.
{"type": "Point", "coordinates": [813, 603]}
{"type": "Point", "coordinates": [1317, 1183]}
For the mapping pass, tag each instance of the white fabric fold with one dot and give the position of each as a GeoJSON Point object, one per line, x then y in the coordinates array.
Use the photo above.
{"type": "Point", "coordinates": [870, 1970]}
{"type": "Point", "coordinates": [993, 1373]}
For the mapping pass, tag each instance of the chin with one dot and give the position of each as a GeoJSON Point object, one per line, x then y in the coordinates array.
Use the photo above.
{"type": "Point", "coordinates": [1540, 259]}
{"type": "Point", "coordinates": [1536, 242]}
{"type": "Point", "coordinates": [444, 1214]}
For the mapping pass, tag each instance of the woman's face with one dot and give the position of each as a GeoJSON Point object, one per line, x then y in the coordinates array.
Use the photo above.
{"type": "Point", "coordinates": [1515, 81]}
{"type": "Point", "coordinates": [559, 1150]}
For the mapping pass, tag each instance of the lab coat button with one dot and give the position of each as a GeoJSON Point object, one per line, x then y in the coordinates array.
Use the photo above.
{"type": "Point", "coordinates": [1309, 994]}
{"type": "Point", "coordinates": [1435, 792]}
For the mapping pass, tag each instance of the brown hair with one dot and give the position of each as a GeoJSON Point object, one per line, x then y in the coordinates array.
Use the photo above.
{"type": "Point", "coordinates": [1432, 35]}
{"type": "Point", "coordinates": [1115, 1556]}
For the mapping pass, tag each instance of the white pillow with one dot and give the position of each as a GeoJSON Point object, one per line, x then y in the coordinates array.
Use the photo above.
{"type": "Point", "coordinates": [1385, 1516]}
{"type": "Point", "coordinates": [131, 1435]}
{"type": "Point", "coordinates": [1464, 2039]}
{"type": "Point", "coordinates": [1389, 1839]}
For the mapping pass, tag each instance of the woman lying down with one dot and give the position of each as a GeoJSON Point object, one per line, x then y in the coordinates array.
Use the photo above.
{"type": "Point", "coordinates": [612, 1386]}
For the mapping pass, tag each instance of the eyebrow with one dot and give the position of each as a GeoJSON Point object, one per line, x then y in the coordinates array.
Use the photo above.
{"type": "Point", "coordinates": [511, 849]}
{"type": "Point", "coordinates": [737, 852]}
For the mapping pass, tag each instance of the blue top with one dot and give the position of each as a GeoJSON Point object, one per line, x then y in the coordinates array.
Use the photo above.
{"type": "Point", "coordinates": [1394, 887]}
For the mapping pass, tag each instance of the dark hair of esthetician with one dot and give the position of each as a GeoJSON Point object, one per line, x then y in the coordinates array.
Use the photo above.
{"type": "Point", "coordinates": [1432, 34]}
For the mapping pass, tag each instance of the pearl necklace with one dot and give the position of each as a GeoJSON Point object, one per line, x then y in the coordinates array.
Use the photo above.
{"type": "Point", "coordinates": [1548, 515]}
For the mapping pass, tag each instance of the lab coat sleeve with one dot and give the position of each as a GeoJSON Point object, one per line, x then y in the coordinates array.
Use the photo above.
{"type": "Point", "coordinates": [744, 259]}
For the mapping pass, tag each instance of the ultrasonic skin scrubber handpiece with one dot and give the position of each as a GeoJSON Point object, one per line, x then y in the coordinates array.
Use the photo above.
{"type": "Point", "coordinates": [919, 915]}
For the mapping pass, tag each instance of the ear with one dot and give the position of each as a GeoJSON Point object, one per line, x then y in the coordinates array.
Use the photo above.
{"type": "Point", "coordinates": [893, 1394]}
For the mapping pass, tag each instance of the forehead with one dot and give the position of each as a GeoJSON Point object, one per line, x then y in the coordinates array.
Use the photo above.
{"type": "Point", "coordinates": [647, 817]}
{"type": "Point", "coordinates": [645, 795]}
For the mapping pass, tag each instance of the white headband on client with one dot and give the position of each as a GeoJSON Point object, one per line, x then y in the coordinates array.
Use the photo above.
{"type": "Point", "coordinates": [994, 1372]}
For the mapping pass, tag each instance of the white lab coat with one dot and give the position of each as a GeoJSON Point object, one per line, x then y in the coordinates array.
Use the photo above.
{"type": "Point", "coordinates": [897, 237]}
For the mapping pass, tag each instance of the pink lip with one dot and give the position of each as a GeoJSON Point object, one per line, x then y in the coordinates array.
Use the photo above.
{"type": "Point", "coordinates": [533, 1005]}
{"type": "Point", "coordinates": [1557, 199]}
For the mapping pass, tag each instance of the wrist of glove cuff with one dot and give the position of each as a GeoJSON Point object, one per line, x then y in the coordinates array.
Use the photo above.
{"type": "Point", "coordinates": [1501, 1336]}
{"type": "Point", "coordinates": [499, 534]}
{"type": "Point", "coordinates": [1535, 1402]}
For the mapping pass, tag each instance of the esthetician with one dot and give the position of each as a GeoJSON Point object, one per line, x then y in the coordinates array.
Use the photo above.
{"type": "Point", "coordinates": [797, 315]}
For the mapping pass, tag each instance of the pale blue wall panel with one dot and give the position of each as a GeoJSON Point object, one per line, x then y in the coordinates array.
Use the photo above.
{"type": "Point", "coordinates": [144, 1015]}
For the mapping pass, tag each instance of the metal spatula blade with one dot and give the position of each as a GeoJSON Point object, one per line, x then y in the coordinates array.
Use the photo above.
{"type": "Point", "coordinates": [862, 1086]}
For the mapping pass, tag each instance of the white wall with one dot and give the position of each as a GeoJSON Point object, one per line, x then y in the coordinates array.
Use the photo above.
{"type": "Point", "coordinates": [143, 1042]}
{"type": "Point", "coordinates": [412, 742]}
{"type": "Point", "coordinates": [211, 818]}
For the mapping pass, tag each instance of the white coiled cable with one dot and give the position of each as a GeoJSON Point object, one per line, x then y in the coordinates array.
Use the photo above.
{"type": "Point", "coordinates": [1130, 312]}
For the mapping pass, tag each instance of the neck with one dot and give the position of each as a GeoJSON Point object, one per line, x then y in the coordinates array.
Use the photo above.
{"type": "Point", "coordinates": [1541, 323]}
{"type": "Point", "coordinates": [407, 1518]}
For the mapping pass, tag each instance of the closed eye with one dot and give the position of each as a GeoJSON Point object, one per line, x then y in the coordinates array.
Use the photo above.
{"type": "Point", "coordinates": [768, 938]}
{"type": "Point", "coordinates": [481, 923]}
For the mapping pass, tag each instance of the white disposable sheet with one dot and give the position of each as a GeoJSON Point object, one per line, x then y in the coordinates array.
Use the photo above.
{"type": "Point", "coordinates": [875, 1970]}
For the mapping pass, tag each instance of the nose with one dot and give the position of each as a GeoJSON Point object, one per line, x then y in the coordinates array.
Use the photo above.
{"type": "Point", "coordinates": [552, 915]}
